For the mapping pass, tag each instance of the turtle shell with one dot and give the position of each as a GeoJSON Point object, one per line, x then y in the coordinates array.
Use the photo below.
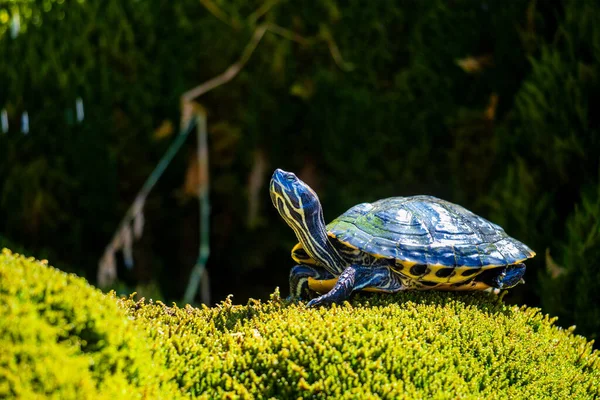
{"type": "Point", "coordinates": [425, 230]}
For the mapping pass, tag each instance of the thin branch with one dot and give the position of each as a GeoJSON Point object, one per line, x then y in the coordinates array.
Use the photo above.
{"type": "Point", "coordinates": [334, 50]}
{"type": "Point", "coordinates": [262, 10]}
{"type": "Point", "coordinates": [230, 72]}
{"type": "Point", "coordinates": [257, 36]}
{"type": "Point", "coordinates": [216, 11]}
{"type": "Point", "coordinates": [288, 34]}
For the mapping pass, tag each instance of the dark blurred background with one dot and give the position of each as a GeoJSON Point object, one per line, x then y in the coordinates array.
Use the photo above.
{"type": "Point", "coordinates": [490, 104]}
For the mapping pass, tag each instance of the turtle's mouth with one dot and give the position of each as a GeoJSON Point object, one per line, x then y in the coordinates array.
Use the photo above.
{"type": "Point", "coordinates": [276, 187]}
{"type": "Point", "coordinates": [282, 185]}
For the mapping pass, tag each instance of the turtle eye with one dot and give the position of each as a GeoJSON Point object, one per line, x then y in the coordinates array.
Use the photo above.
{"type": "Point", "coordinates": [290, 177]}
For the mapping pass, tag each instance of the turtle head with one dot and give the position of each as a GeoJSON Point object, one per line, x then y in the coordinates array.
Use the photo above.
{"type": "Point", "coordinates": [299, 206]}
{"type": "Point", "coordinates": [293, 198]}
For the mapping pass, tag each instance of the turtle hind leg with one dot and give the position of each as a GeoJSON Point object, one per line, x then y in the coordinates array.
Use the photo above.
{"type": "Point", "coordinates": [299, 280]}
{"type": "Point", "coordinates": [357, 277]}
{"type": "Point", "coordinates": [503, 278]}
{"type": "Point", "coordinates": [512, 276]}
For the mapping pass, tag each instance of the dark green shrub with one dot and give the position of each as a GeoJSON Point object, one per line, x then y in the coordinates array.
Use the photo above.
{"type": "Point", "coordinates": [570, 290]}
{"type": "Point", "coordinates": [549, 158]}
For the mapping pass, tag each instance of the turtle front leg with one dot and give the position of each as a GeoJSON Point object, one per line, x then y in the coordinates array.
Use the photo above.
{"type": "Point", "coordinates": [357, 277]}
{"type": "Point", "coordinates": [301, 275]}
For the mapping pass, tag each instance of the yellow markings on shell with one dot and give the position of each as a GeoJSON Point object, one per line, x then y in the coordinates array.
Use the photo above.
{"type": "Point", "coordinates": [456, 276]}
{"type": "Point", "coordinates": [450, 287]}
{"type": "Point", "coordinates": [379, 256]}
{"type": "Point", "coordinates": [406, 264]}
{"type": "Point", "coordinates": [531, 255]}
{"type": "Point", "coordinates": [476, 286]}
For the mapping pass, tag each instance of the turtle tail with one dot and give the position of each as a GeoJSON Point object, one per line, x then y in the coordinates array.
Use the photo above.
{"type": "Point", "coordinates": [503, 278]}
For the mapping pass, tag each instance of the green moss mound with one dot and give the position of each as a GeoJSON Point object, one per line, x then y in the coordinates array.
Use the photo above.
{"type": "Point", "coordinates": [62, 338]}
{"type": "Point", "coordinates": [410, 345]}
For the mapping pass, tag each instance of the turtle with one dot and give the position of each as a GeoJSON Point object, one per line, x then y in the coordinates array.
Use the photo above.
{"type": "Point", "coordinates": [393, 244]}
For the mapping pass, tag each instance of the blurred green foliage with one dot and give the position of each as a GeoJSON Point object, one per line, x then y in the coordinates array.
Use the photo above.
{"type": "Point", "coordinates": [65, 339]}
{"type": "Point", "coordinates": [570, 291]}
{"type": "Point", "coordinates": [488, 104]}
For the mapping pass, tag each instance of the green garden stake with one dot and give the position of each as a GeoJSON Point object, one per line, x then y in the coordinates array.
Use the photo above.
{"type": "Point", "coordinates": [15, 26]}
{"type": "Point", "coordinates": [25, 123]}
{"type": "Point", "coordinates": [4, 120]}
{"type": "Point", "coordinates": [79, 109]}
{"type": "Point", "coordinates": [200, 268]}
{"type": "Point", "coordinates": [136, 207]}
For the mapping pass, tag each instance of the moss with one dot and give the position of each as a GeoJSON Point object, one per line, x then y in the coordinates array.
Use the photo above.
{"type": "Point", "coordinates": [67, 339]}
{"type": "Point", "coordinates": [410, 345]}
{"type": "Point", "coordinates": [62, 338]}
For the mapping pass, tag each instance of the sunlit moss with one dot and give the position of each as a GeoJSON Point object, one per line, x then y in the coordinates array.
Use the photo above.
{"type": "Point", "coordinates": [65, 339]}
{"type": "Point", "coordinates": [62, 338]}
{"type": "Point", "coordinates": [411, 345]}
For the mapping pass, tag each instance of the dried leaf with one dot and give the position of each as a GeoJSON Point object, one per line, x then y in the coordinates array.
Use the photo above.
{"type": "Point", "coordinates": [490, 111]}
{"type": "Point", "coordinates": [193, 178]}
{"type": "Point", "coordinates": [165, 130]}
{"type": "Point", "coordinates": [552, 267]}
{"type": "Point", "coordinates": [473, 65]}
{"type": "Point", "coordinates": [303, 89]}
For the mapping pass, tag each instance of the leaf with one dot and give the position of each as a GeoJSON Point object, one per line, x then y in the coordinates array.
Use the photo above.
{"type": "Point", "coordinates": [552, 267]}
{"type": "Point", "coordinates": [472, 65]}
{"type": "Point", "coordinates": [165, 130]}
{"type": "Point", "coordinates": [303, 89]}
{"type": "Point", "coordinates": [490, 111]}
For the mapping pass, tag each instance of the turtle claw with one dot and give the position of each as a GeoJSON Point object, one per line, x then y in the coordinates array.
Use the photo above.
{"type": "Point", "coordinates": [320, 301]}
{"type": "Point", "coordinates": [334, 296]}
{"type": "Point", "coordinates": [313, 303]}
